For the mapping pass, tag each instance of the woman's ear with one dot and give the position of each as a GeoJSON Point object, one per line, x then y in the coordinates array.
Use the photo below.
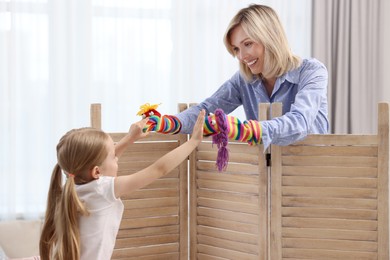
{"type": "Point", "coordinates": [95, 173]}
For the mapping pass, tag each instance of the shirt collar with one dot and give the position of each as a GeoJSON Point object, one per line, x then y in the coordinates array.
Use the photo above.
{"type": "Point", "coordinates": [291, 76]}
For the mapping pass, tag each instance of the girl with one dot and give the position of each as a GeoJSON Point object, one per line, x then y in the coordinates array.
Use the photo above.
{"type": "Point", "coordinates": [83, 215]}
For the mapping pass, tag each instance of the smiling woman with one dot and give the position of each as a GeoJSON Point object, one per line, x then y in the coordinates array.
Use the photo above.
{"type": "Point", "coordinates": [59, 56]}
{"type": "Point", "coordinates": [269, 72]}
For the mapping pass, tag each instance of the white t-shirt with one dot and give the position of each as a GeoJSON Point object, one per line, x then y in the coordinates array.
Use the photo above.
{"type": "Point", "coordinates": [98, 230]}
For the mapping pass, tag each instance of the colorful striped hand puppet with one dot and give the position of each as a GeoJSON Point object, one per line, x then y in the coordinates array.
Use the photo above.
{"type": "Point", "coordinates": [223, 127]}
{"type": "Point", "coordinates": [166, 124]}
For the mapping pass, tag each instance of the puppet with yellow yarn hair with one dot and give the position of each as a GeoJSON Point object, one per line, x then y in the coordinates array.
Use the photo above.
{"type": "Point", "coordinates": [166, 124]}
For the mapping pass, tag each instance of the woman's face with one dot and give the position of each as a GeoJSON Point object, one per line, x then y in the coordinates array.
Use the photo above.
{"type": "Point", "coordinates": [247, 51]}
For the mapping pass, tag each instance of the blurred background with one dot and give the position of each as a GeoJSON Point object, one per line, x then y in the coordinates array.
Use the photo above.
{"type": "Point", "coordinates": [59, 56]}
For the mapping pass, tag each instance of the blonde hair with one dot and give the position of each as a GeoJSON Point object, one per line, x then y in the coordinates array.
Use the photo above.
{"type": "Point", "coordinates": [78, 152]}
{"type": "Point", "coordinates": [262, 25]}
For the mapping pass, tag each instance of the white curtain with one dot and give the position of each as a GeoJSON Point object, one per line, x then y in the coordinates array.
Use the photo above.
{"type": "Point", "coordinates": [352, 37]}
{"type": "Point", "coordinates": [59, 56]}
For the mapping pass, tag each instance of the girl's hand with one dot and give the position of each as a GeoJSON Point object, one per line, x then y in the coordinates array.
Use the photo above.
{"type": "Point", "coordinates": [136, 129]}
{"type": "Point", "coordinates": [197, 132]}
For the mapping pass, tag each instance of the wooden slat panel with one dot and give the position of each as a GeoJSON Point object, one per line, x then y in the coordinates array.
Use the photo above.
{"type": "Point", "coordinates": [231, 168]}
{"type": "Point", "coordinates": [144, 155]}
{"type": "Point", "coordinates": [329, 213]}
{"type": "Point", "coordinates": [366, 151]}
{"type": "Point", "coordinates": [154, 223]}
{"type": "Point", "coordinates": [183, 210]}
{"type": "Point", "coordinates": [96, 116]}
{"type": "Point", "coordinates": [227, 234]}
{"type": "Point", "coordinates": [328, 223]}
{"type": "Point", "coordinates": [165, 256]}
{"type": "Point", "coordinates": [150, 212]}
{"type": "Point", "coordinates": [228, 186]}
{"type": "Point", "coordinates": [329, 182]}
{"type": "Point", "coordinates": [345, 161]}
{"type": "Point", "coordinates": [228, 244]}
{"type": "Point", "coordinates": [193, 207]}
{"type": "Point", "coordinates": [151, 203]}
{"type": "Point", "coordinates": [175, 173]}
{"type": "Point", "coordinates": [330, 234]}
{"type": "Point", "coordinates": [383, 180]}
{"type": "Point", "coordinates": [233, 157]}
{"type": "Point", "coordinates": [322, 254]}
{"type": "Point", "coordinates": [148, 231]}
{"type": "Point", "coordinates": [228, 177]}
{"type": "Point", "coordinates": [275, 221]}
{"type": "Point", "coordinates": [209, 257]}
{"type": "Point", "coordinates": [146, 241]}
{"type": "Point", "coordinates": [169, 183]}
{"type": "Point", "coordinates": [320, 192]}
{"type": "Point", "coordinates": [227, 205]}
{"type": "Point", "coordinates": [225, 253]}
{"type": "Point", "coordinates": [228, 215]}
{"type": "Point", "coordinates": [150, 250]}
{"type": "Point", "coordinates": [149, 222]}
{"type": "Point", "coordinates": [228, 225]}
{"type": "Point", "coordinates": [276, 204]}
{"type": "Point", "coordinates": [325, 194]}
{"type": "Point", "coordinates": [264, 192]}
{"type": "Point", "coordinates": [330, 171]}
{"type": "Point", "coordinates": [343, 245]}
{"type": "Point", "coordinates": [291, 258]}
{"type": "Point", "coordinates": [152, 193]}
{"type": "Point", "coordinates": [229, 196]}
{"type": "Point", "coordinates": [233, 148]}
{"type": "Point", "coordinates": [329, 203]}
{"type": "Point", "coordinates": [135, 166]}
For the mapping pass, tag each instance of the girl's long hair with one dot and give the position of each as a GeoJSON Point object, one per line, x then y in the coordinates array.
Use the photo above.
{"type": "Point", "coordinates": [78, 152]}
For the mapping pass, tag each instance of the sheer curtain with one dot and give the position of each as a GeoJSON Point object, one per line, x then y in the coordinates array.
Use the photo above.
{"type": "Point", "coordinates": [58, 57]}
{"type": "Point", "coordinates": [352, 38]}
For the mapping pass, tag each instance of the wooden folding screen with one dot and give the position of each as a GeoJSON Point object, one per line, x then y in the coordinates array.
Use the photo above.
{"type": "Point", "coordinates": [155, 220]}
{"type": "Point", "coordinates": [329, 196]}
{"type": "Point", "coordinates": [229, 209]}
{"type": "Point", "coordinates": [323, 198]}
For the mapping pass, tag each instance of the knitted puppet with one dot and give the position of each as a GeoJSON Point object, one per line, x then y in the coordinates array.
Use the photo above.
{"type": "Point", "coordinates": [165, 124]}
{"type": "Point", "coordinates": [220, 126]}
{"type": "Point", "coordinates": [223, 127]}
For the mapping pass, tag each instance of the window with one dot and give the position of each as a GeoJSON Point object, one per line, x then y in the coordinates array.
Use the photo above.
{"type": "Point", "coordinates": [59, 56]}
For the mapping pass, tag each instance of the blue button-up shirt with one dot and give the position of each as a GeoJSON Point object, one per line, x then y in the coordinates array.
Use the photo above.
{"type": "Point", "coordinates": [303, 93]}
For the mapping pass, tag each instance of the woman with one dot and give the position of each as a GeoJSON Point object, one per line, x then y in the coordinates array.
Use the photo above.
{"type": "Point", "coordinates": [269, 72]}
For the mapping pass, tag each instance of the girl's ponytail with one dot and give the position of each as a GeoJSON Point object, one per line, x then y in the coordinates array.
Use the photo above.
{"type": "Point", "coordinates": [48, 237]}
{"type": "Point", "coordinates": [66, 222]}
{"type": "Point", "coordinates": [60, 234]}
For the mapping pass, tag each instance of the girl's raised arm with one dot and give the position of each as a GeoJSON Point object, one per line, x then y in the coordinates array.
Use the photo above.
{"type": "Point", "coordinates": [135, 133]}
{"type": "Point", "coordinates": [129, 183]}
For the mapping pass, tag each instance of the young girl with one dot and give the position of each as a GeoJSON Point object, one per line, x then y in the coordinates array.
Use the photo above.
{"type": "Point", "coordinates": [83, 215]}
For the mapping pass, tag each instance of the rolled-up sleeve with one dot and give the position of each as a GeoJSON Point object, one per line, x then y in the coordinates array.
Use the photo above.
{"type": "Point", "coordinates": [227, 98]}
